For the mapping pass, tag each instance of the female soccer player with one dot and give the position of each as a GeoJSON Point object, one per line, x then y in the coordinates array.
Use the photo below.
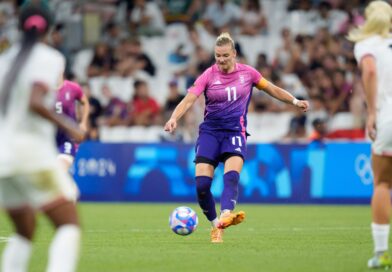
{"type": "Point", "coordinates": [69, 94]}
{"type": "Point", "coordinates": [227, 86]}
{"type": "Point", "coordinates": [373, 53]}
{"type": "Point", "coordinates": [30, 177]}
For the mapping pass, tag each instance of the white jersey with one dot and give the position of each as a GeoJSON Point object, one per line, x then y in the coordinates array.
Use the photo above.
{"type": "Point", "coordinates": [381, 49]}
{"type": "Point", "coordinates": [27, 141]}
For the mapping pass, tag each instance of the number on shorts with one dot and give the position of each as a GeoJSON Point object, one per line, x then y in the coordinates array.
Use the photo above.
{"type": "Point", "coordinates": [67, 147]}
{"type": "Point", "coordinates": [236, 139]}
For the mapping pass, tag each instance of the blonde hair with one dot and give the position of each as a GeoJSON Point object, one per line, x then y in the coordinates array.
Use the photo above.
{"type": "Point", "coordinates": [223, 39]}
{"type": "Point", "coordinates": [378, 16]}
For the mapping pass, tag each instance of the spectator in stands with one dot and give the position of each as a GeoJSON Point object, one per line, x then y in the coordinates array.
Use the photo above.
{"type": "Point", "coordinates": [145, 110]}
{"type": "Point", "coordinates": [174, 97]}
{"type": "Point", "coordinates": [329, 18]}
{"type": "Point", "coordinates": [221, 15]}
{"type": "Point", "coordinates": [8, 30]}
{"type": "Point", "coordinates": [133, 49]}
{"type": "Point", "coordinates": [297, 127]}
{"type": "Point", "coordinates": [320, 130]}
{"type": "Point", "coordinates": [115, 112]}
{"type": "Point", "coordinates": [146, 19]}
{"type": "Point", "coordinates": [253, 21]}
{"type": "Point", "coordinates": [57, 41]}
{"type": "Point", "coordinates": [181, 11]}
{"type": "Point", "coordinates": [113, 35]}
{"type": "Point", "coordinates": [102, 63]}
{"type": "Point", "coordinates": [341, 97]}
{"type": "Point", "coordinates": [261, 61]}
{"type": "Point", "coordinates": [287, 54]}
{"type": "Point", "coordinates": [95, 113]}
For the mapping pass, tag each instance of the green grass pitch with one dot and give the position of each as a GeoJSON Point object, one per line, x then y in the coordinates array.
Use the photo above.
{"type": "Point", "coordinates": [136, 237]}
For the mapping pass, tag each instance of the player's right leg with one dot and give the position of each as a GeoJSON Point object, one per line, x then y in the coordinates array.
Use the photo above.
{"type": "Point", "coordinates": [17, 252]}
{"type": "Point", "coordinates": [381, 209]}
{"type": "Point", "coordinates": [207, 150]}
{"type": "Point", "coordinates": [204, 173]}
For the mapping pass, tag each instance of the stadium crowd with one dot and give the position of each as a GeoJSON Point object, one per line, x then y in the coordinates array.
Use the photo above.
{"type": "Point", "coordinates": [136, 59]}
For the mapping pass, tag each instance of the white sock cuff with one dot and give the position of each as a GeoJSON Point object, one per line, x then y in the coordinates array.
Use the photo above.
{"type": "Point", "coordinates": [214, 222]}
{"type": "Point", "coordinates": [380, 227]}
{"type": "Point", "coordinates": [71, 227]}
{"type": "Point", "coordinates": [21, 239]}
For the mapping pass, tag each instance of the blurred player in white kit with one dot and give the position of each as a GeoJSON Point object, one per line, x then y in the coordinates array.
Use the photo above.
{"type": "Point", "coordinates": [31, 178]}
{"type": "Point", "coordinates": [373, 52]}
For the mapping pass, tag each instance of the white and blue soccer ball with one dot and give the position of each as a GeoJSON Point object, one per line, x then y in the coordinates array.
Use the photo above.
{"type": "Point", "coordinates": [183, 220]}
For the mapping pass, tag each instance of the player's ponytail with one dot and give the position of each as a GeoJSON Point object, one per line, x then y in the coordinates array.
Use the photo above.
{"type": "Point", "coordinates": [34, 23]}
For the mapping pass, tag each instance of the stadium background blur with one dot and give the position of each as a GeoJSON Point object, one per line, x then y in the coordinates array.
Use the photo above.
{"type": "Point", "coordinates": [137, 58]}
{"type": "Point", "coordinates": [135, 70]}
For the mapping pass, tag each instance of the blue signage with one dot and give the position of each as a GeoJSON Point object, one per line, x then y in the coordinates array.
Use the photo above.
{"type": "Point", "coordinates": [272, 173]}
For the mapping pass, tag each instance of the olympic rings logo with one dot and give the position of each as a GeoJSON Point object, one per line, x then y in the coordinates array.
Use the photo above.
{"type": "Point", "coordinates": [363, 168]}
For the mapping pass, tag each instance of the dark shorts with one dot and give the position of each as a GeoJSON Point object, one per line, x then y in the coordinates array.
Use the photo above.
{"type": "Point", "coordinates": [215, 147]}
{"type": "Point", "coordinates": [65, 145]}
{"type": "Point", "coordinates": [68, 148]}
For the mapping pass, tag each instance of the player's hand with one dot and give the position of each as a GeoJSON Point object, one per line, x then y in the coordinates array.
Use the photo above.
{"type": "Point", "coordinates": [171, 125]}
{"type": "Point", "coordinates": [371, 126]}
{"type": "Point", "coordinates": [303, 105]}
{"type": "Point", "coordinates": [73, 130]}
{"type": "Point", "coordinates": [83, 127]}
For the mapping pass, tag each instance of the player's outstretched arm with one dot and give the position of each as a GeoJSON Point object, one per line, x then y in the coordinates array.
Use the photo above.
{"type": "Point", "coordinates": [179, 111]}
{"type": "Point", "coordinates": [37, 106]}
{"type": "Point", "coordinates": [282, 94]}
{"type": "Point", "coordinates": [85, 112]}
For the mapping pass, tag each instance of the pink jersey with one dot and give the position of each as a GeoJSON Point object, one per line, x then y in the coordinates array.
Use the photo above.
{"type": "Point", "coordinates": [67, 95]}
{"type": "Point", "coordinates": [227, 96]}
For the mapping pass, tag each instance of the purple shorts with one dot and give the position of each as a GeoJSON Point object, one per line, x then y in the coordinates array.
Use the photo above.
{"type": "Point", "coordinates": [68, 148]}
{"type": "Point", "coordinates": [218, 146]}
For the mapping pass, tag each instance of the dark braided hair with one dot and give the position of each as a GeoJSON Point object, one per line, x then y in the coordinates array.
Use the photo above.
{"type": "Point", "coordinates": [34, 22]}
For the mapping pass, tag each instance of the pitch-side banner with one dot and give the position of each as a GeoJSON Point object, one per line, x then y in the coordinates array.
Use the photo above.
{"type": "Point", "coordinates": [273, 173]}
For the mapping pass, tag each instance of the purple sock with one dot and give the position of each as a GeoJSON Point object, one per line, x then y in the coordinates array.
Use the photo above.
{"type": "Point", "coordinates": [204, 196]}
{"type": "Point", "coordinates": [230, 191]}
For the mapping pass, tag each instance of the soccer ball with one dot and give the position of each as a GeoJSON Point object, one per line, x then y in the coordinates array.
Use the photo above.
{"type": "Point", "coordinates": [183, 220]}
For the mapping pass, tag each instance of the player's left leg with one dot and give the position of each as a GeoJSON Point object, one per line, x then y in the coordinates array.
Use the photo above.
{"type": "Point", "coordinates": [381, 209]}
{"type": "Point", "coordinates": [233, 167]}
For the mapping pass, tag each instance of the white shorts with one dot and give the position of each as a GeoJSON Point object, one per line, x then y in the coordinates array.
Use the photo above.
{"type": "Point", "coordinates": [383, 144]}
{"type": "Point", "coordinates": [38, 190]}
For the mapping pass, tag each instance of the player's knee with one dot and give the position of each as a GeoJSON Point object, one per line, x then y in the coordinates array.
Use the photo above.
{"type": "Point", "coordinates": [203, 186]}
{"type": "Point", "coordinates": [231, 177]}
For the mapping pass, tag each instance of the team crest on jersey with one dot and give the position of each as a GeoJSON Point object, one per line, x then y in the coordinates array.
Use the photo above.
{"type": "Point", "coordinates": [242, 79]}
